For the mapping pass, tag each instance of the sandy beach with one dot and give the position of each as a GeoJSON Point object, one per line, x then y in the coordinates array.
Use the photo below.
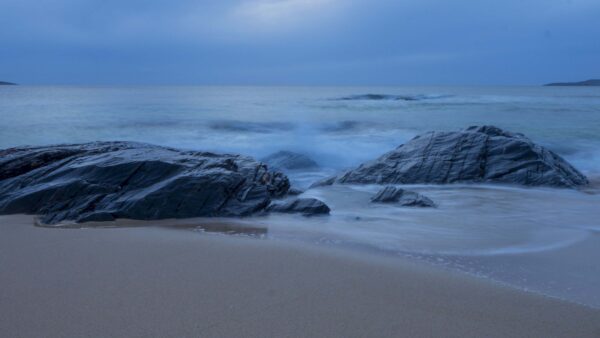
{"type": "Point", "coordinates": [156, 282]}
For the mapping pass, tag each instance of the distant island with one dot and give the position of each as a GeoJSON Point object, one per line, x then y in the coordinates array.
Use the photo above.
{"type": "Point", "coordinates": [594, 82]}
{"type": "Point", "coordinates": [2, 83]}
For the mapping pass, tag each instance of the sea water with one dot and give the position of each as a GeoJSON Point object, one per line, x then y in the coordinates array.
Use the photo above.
{"type": "Point", "coordinates": [541, 239]}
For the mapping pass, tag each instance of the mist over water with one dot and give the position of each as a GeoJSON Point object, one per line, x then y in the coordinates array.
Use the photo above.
{"type": "Point", "coordinates": [535, 238]}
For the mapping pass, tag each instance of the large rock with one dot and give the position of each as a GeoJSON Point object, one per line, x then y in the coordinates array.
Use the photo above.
{"type": "Point", "coordinates": [476, 154]}
{"type": "Point", "coordinates": [106, 180]}
{"type": "Point", "coordinates": [406, 198]}
{"type": "Point", "coordinates": [305, 206]}
{"type": "Point", "coordinates": [288, 160]}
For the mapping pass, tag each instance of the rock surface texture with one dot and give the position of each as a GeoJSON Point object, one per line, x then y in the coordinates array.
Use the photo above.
{"type": "Point", "coordinates": [391, 194]}
{"type": "Point", "coordinates": [474, 155]}
{"type": "Point", "coordinates": [102, 181]}
{"type": "Point", "coordinates": [287, 160]}
{"type": "Point", "coordinates": [305, 206]}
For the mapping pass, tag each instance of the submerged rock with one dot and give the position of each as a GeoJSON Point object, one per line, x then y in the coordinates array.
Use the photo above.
{"type": "Point", "coordinates": [387, 97]}
{"type": "Point", "coordinates": [592, 82]}
{"type": "Point", "coordinates": [324, 182]}
{"type": "Point", "coordinates": [288, 160]}
{"type": "Point", "coordinates": [391, 194]}
{"type": "Point", "coordinates": [378, 97]}
{"type": "Point", "coordinates": [237, 126]}
{"type": "Point", "coordinates": [102, 181]}
{"type": "Point", "coordinates": [305, 206]}
{"type": "Point", "coordinates": [477, 154]}
{"type": "Point", "coordinates": [295, 191]}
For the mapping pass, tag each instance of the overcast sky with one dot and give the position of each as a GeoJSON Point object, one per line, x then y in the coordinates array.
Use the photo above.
{"type": "Point", "coordinates": [299, 42]}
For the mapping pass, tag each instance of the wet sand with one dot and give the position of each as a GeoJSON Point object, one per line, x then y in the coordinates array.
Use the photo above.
{"type": "Point", "coordinates": [157, 282]}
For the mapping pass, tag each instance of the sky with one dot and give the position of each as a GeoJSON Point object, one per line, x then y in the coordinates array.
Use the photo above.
{"type": "Point", "coordinates": [299, 42]}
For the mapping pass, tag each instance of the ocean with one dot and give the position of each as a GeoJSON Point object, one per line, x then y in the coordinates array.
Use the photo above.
{"type": "Point", "coordinates": [539, 239]}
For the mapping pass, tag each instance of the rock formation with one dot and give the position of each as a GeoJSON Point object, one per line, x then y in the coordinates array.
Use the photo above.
{"type": "Point", "coordinates": [102, 181]}
{"type": "Point", "coordinates": [479, 154]}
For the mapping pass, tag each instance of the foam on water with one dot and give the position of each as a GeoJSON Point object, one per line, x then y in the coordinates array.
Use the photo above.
{"type": "Point", "coordinates": [469, 220]}
{"type": "Point", "coordinates": [541, 240]}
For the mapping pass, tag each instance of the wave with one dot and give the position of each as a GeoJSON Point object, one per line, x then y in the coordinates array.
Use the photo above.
{"type": "Point", "coordinates": [386, 97]}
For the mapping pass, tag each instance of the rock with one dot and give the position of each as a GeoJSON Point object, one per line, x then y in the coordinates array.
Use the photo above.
{"type": "Point", "coordinates": [236, 126]}
{"type": "Point", "coordinates": [593, 82]}
{"type": "Point", "coordinates": [378, 97]}
{"type": "Point", "coordinates": [474, 155]}
{"type": "Point", "coordinates": [391, 194]}
{"type": "Point", "coordinates": [387, 97]}
{"type": "Point", "coordinates": [324, 182]}
{"type": "Point", "coordinates": [305, 206]}
{"type": "Point", "coordinates": [287, 160]}
{"type": "Point", "coordinates": [294, 191]}
{"type": "Point", "coordinates": [4, 83]}
{"type": "Point", "coordinates": [344, 126]}
{"type": "Point", "coordinates": [102, 181]}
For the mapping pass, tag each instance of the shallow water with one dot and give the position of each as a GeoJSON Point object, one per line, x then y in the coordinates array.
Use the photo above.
{"type": "Point", "coordinates": [539, 239]}
{"type": "Point", "coordinates": [532, 238]}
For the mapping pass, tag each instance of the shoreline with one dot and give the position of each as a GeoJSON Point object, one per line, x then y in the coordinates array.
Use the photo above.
{"type": "Point", "coordinates": [256, 229]}
{"type": "Point", "coordinates": [155, 282]}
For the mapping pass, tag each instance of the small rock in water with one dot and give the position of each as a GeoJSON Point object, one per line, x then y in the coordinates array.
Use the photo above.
{"type": "Point", "coordinates": [324, 182]}
{"type": "Point", "coordinates": [391, 194]}
{"type": "Point", "coordinates": [287, 160]}
{"type": "Point", "coordinates": [305, 206]}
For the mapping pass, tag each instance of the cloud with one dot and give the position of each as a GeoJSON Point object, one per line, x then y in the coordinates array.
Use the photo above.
{"type": "Point", "coordinates": [299, 41]}
{"type": "Point", "coordinates": [278, 10]}
{"type": "Point", "coordinates": [281, 15]}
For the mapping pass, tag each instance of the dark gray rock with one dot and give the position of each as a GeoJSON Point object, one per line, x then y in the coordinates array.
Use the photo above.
{"type": "Point", "coordinates": [386, 97]}
{"type": "Point", "coordinates": [345, 126]}
{"type": "Point", "coordinates": [391, 194]}
{"type": "Point", "coordinates": [379, 97]}
{"type": "Point", "coordinates": [288, 160]}
{"type": "Point", "coordinates": [476, 154]}
{"type": "Point", "coordinates": [295, 191]}
{"type": "Point", "coordinates": [593, 82]}
{"type": "Point", "coordinates": [324, 182]}
{"type": "Point", "coordinates": [305, 206]}
{"type": "Point", "coordinates": [236, 126]}
{"type": "Point", "coordinates": [106, 180]}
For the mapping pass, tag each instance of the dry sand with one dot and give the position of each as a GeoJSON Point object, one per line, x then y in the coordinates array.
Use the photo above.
{"type": "Point", "coordinates": [155, 282]}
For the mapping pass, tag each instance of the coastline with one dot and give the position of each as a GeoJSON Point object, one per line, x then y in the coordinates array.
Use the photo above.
{"type": "Point", "coordinates": [154, 281]}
